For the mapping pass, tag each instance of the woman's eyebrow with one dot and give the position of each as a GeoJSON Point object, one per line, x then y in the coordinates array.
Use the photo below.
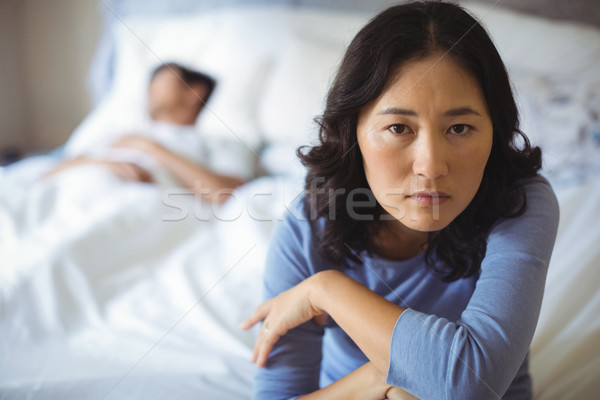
{"type": "Point", "coordinates": [450, 113]}
{"type": "Point", "coordinates": [398, 111]}
{"type": "Point", "coordinates": [460, 111]}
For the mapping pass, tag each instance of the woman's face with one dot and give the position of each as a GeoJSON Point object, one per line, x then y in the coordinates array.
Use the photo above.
{"type": "Point", "coordinates": [425, 143]}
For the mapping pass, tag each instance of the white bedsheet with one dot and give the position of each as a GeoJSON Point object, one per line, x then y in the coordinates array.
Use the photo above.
{"type": "Point", "coordinates": [565, 353]}
{"type": "Point", "coordinates": [103, 279]}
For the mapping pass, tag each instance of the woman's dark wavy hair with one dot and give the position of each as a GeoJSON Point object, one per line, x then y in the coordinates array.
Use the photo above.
{"type": "Point", "coordinates": [401, 33]}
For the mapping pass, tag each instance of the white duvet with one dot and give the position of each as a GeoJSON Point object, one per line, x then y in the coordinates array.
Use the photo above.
{"type": "Point", "coordinates": [103, 279]}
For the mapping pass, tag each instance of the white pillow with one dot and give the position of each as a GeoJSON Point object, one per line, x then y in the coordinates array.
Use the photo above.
{"type": "Point", "coordinates": [239, 58]}
{"type": "Point", "coordinates": [234, 46]}
{"type": "Point", "coordinates": [296, 90]}
{"type": "Point", "coordinates": [294, 95]}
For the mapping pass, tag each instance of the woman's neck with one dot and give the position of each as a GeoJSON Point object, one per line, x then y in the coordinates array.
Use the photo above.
{"type": "Point", "coordinates": [394, 241]}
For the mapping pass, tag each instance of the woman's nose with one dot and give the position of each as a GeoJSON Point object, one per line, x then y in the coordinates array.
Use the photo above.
{"type": "Point", "coordinates": [430, 158]}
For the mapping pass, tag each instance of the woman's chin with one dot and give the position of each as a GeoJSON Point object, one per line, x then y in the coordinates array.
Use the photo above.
{"type": "Point", "coordinates": [421, 219]}
{"type": "Point", "coordinates": [426, 222]}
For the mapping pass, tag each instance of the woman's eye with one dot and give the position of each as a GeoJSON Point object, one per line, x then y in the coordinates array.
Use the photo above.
{"type": "Point", "coordinates": [399, 129]}
{"type": "Point", "coordinates": [460, 129]}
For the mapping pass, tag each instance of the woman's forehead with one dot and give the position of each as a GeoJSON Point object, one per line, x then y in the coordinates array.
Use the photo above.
{"type": "Point", "coordinates": [436, 82]}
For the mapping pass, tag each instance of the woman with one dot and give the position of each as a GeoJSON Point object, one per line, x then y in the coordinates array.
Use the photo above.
{"type": "Point", "coordinates": [425, 231]}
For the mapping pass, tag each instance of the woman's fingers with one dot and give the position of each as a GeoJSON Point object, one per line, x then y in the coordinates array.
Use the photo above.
{"type": "Point", "coordinates": [263, 355]}
{"type": "Point", "coordinates": [267, 336]}
{"type": "Point", "coordinates": [280, 314]}
{"type": "Point", "coordinates": [258, 315]}
{"type": "Point", "coordinates": [256, 351]}
{"type": "Point", "coordinates": [264, 345]}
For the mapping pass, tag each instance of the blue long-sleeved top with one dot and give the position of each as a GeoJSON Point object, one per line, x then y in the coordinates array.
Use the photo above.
{"type": "Point", "coordinates": [467, 339]}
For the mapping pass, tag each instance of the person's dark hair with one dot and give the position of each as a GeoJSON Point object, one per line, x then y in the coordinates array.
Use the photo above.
{"type": "Point", "coordinates": [189, 76]}
{"type": "Point", "coordinates": [409, 32]}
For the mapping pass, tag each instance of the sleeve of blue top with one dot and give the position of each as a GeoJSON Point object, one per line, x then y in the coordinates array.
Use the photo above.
{"type": "Point", "coordinates": [294, 365]}
{"type": "Point", "coordinates": [477, 356]}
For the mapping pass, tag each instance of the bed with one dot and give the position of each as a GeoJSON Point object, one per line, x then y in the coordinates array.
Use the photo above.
{"type": "Point", "coordinates": [111, 290]}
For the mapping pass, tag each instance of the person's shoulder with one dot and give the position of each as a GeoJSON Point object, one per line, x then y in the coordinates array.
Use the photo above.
{"type": "Point", "coordinates": [535, 181]}
{"type": "Point", "coordinates": [540, 195]}
{"type": "Point", "coordinates": [533, 229]}
{"type": "Point", "coordinates": [293, 223]}
{"type": "Point", "coordinates": [298, 222]}
{"type": "Point", "coordinates": [296, 209]}
{"type": "Point", "coordinates": [292, 255]}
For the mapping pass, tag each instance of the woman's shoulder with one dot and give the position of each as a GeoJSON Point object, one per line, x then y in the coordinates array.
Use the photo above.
{"type": "Point", "coordinates": [540, 194]}
{"type": "Point", "coordinates": [535, 181]}
{"type": "Point", "coordinates": [534, 230]}
{"type": "Point", "coordinates": [295, 216]}
{"type": "Point", "coordinates": [293, 232]}
{"type": "Point", "coordinates": [301, 216]}
{"type": "Point", "coordinates": [292, 255]}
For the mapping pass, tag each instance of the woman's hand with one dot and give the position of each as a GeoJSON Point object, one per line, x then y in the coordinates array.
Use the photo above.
{"type": "Point", "coordinates": [364, 383]}
{"type": "Point", "coordinates": [396, 393]}
{"type": "Point", "coordinates": [280, 314]}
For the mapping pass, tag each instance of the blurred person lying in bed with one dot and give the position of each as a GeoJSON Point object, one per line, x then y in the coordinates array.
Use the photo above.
{"type": "Point", "coordinates": [170, 147]}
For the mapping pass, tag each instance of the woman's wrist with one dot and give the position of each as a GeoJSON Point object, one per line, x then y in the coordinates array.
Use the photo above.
{"type": "Point", "coordinates": [318, 294]}
{"type": "Point", "coordinates": [368, 318]}
{"type": "Point", "coordinates": [364, 383]}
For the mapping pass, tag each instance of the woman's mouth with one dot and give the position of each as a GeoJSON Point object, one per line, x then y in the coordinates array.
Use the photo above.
{"type": "Point", "coordinates": [429, 198]}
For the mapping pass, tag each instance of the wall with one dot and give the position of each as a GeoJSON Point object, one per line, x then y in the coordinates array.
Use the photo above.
{"type": "Point", "coordinates": [13, 131]}
{"type": "Point", "coordinates": [46, 48]}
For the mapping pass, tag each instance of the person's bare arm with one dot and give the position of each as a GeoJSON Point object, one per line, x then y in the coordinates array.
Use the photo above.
{"type": "Point", "coordinates": [364, 383]}
{"type": "Point", "coordinates": [366, 317]}
{"type": "Point", "coordinates": [74, 162]}
{"type": "Point", "coordinates": [123, 170]}
{"type": "Point", "coordinates": [205, 183]}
